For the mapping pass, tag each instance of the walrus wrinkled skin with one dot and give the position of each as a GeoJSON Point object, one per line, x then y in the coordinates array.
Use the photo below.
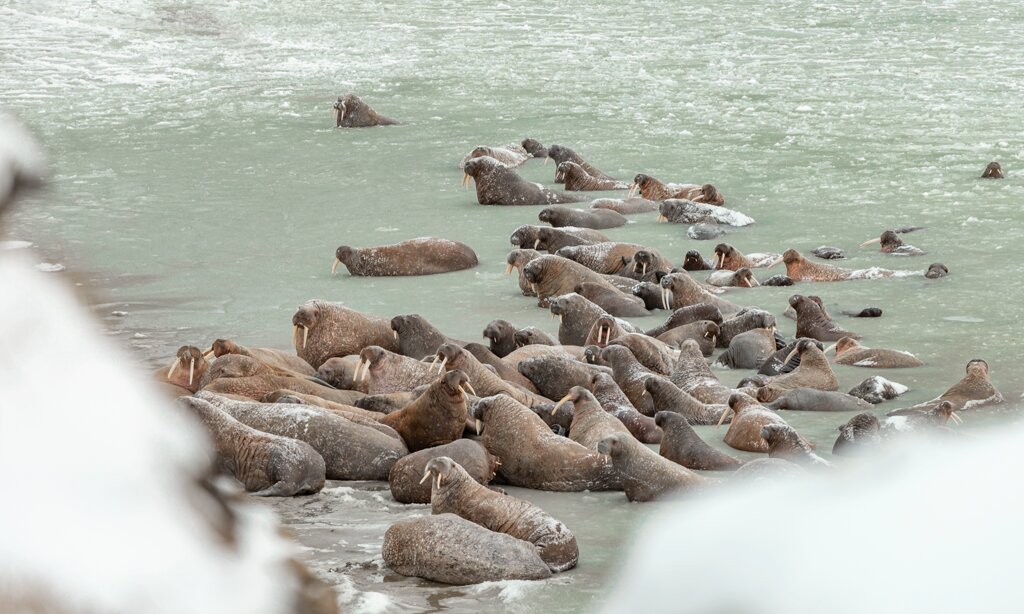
{"type": "Point", "coordinates": [187, 370]}
{"type": "Point", "coordinates": [859, 434]}
{"type": "Point", "coordinates": [555, 375]}
{"type": "Point", "coordinates": [809, 399]}
{"type": "Point", "coordinates": [533, 457]}
{"type": "Point", "coordinates": [245, 376]}
{"type": "Point", "coordinates": [653, 189]}
{"type": "Point", "coordinates": [509, 155]}
{"type": "Point", "coordinates": [748, 418]}
{"type": "Point", "coordinates": [729, 258]}
{"type": "Point", "coordinates": [481, 380]}
{"type": "Point", "coordinates": [813, 372]}
{"type": "Point", "coordinates": [613, 301]}
{"type": "Point", "coordinates": [531, 335]}
{"type": "Point", "coordinates": [749, 349]}
{"type": "Point", "coordinates": [666, 396]}
{"type": "Point", "coordinates": [450, 549]}
{"type": "Point", "coordinates": [993, 171]}
{"type": "Point", "coordinates": [590, 422]}
{"type": "Point", "coordinates": [436, 417]}
{"type": "Point", "coordinates": [406, 476]}
{"type": "Point", "coordinates": [380, 372]}
{"type": "Point", "coordinates": [551, 239]}
{"type": "Point", "coordinates": [813, 321]}
{"type": "Point", "coordinates": [576, 318]}
{"type": "Point", "coordinates": [785, 443]}
{"type": "Point", "coordinates": [682, 445]}
{"type": "Point", "coordinates": [417, 338]}
{"type": "Point", "coordinates": [651, 353]}
{"type": "Point", "coordinates": [534, 148]}
{"type": "Point", "coordinates": [350, 451]}
{"type": "Point", "coordinates": [679, 211]}
{"type": "Point", "coordinates": [646, 476]}
{"type": "Point", "coordinates": [421, 256]}
{"type": "Point", "coordinates": [688, 315]}
{"type": "Point", "coordinates": [849, 352]}
{"type": "Point", "coordinates": [324, 330]}
{"type": "Point", "coordinates": [266, 465]}
{"type": "Point", "coordinates": [973, 391]}
{"type": "Point", "coordinates": [351, 112]}
{"type": "Point", "coordinates": [455, 492]}
{"type": "Point", "coordinates": [799, 268]}
{"type": "Point", "coordinates": [273, 358]}
{"type": "Point", "coordinates": [608, 258]}
{"type": "Point", "coordinates": [681, 290]}
{"type": "Point", "coordinates": [704, 332]}
{"type": "Point", "coordinates": [626, 206]}
{"type": "Point", "coordinates": [877, 389]}
{"type": "Point", "coordinates": [598, 219]}
{"type": "Point", "coordinates": [577, 179]}
{"type": "Point", "coordinates": [692, 375]}
{"type": "Point", "coordinates": [747, 319]}
{"type": "Point", "coordinates": [561, 153]}
{"type": "Point", "coordinates": [497, 184]}
{"type": "Point", "coordinates": [554, 276]}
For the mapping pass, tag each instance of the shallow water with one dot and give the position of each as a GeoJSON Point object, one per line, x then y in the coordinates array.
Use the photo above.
{"type": "Point", "coordinates": [200, 188]}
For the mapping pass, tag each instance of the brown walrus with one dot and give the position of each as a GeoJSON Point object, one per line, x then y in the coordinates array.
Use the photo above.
{"type": "Point", "coordinates": [330, 329]}
{"type": "Point", "coordinates": [350, 451]}
{"type": "Point", "coordinates": [532, 456]}
{"type": "Point", "coordinates": [437, 416]}
{"type": "Point", "coordinates": [577, 179]}
{"type": "Point", "coordinates": [652, 353]}
{"type": "Point", "coordinates": [799, 268]}
{"type": "Point", "coordinates": [859, 434]}
{"type": "Point", "coordinates": [266, 465]}
{"type": "Point", "coordinates": [616, 403]}
{"type": "Point", "coordinates": [501, 334]}
{"type": "Point", "coordinates": [421, 256]}
{"type": "Point", "coordinates": [553, 239]}
{"type": "Point", "coordinates": [534, 148]}
{"type": "Point", "coordinates": [555, 374]}
{"type": "Point", "coordinates": [729, 258]}
{"type": "Point", "coordinates": [351, 112]}
{"type": "Point", "coordinates": [687, 315]}
{"type": "Point", "coordinates": [748, 418]}
{"type": "Point", "coordinates": [417, 338]}
{"type": "Point", "coordinates": [273, 358]}
{"type": "Point", "coordinates": [509, 155]}
{"type": "Point", "coordinates": [607, 258]}
{"type": "Point", "coordinates": [553, 276]}
{"type": "Point", "coordinates": [561, 153]}
{"type": "Point", "coordinates": [813, 372]}
{"type": "Point", "coordinates": [615, 302]}
{"type": "Point", "coordinates": [653, 189]}
{"type": "Point", "coordinates": [482, 380]}
{"type": "Point", "coordinates": [590, 422]}
{"type": "Point", "coordinates": [973, 391]}
{"type": "Point", "coordinates": [497, 184]}
{"type": "Point", "coordinates": [785, 443]}
{"type": "Point", "coordinates": [681, 290]}
{"type": "Point", "coordinates": [355, 414]}
{"type": "Point", "coordinates": [682, 445]}
{"type": "Point", "coordinates": [813, 321]}
{"type": "Point", "coordinates": [667, 397]}
{"type": "Point", "coordinates": [704, 332]}
{"type": "Point", "coordinates": [339, 371]}
{"type": "Point", "coordinates": [456, 492]}
{"type": "Point", "coordinates": [646, 475]}
{"type": "Point", "coordinates": [849, 352]}
{"type": "Point", "coordinates": [187, 370]}
{"type": "Point", "coordinates": [531, 335]}
{"type": "Point", "coordinates": [450, 549]}
{"type": "Point", "coordinates": [405, 478]}
{"type": "Point", "coordinates": [380, 372]}
{"type": "Point", "coordinates": [649, 260]}
{"type": "Point", "coordinates": [993, 171]}
{"type": "Point", "coordinates": [245, 376]}
{"type": "Point", "coordinates": [502, 367]}
{"type": "Point", "coordinates": [598, 219]}
{"type": "Point", "coordinates": [891, 243]}
{"type": "Point", "coordinates": [629, 374]}
{"type": "Point", "coordinates": [911, 419]}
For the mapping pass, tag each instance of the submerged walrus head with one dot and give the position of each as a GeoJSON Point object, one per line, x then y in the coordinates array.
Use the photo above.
{"type": "Point", "coordinates": [477, 167]}
{"type": "Point", "coordinates": [936, 270]}
{"type": "Point", "coordinates": [993, 171]}
{"type": "Point", "coordinates": [351, 107]}
{"type": "Point", "coordinates": [745, 278]}
{"type": "Point", "coordinates": [709, 194]}
{"type": "Point", "coordinates": [693, 261]}
{"type": "Point", "coordinates": [791, 256]}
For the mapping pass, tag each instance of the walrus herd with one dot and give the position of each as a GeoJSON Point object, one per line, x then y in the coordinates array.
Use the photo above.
{"type": "Point", "coordinates": [446, 421]}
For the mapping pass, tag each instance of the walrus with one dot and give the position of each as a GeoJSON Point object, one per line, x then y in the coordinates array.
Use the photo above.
{"type": "Point", "coordinates": [503, 368]}
{"type": "Point", "coordinates": [652, 353]}
{"type": "Point", "coordinates": [936, 270]}
{"type": "Point", "coordinates": [666, 396]}
{"type": "Point", "coordinates": [681, 290]}
{"type": "Point", "coordinates": [704, 332]}
{"type": "Point", "coordinates": [482, 380]}
{"type": "Point", "coordinates": [533, 457]}
{"type": "Point", "coordinates": [616, 403]}
{"type": "Point", "coordinates": [385, 403]}
{"type": "Point", "coordinates": [527, 352]}
{"type": "Point", "coordinates": [590, 422]}
{"type": "Point", "coordinates": [598, 219]}
{"type": "Point", "coordinates": [417, 338]}
{"type": "Point", "coordinates": [359, 415]}
{"type": "Point", "coordinates": [380, 371]}
{"type": "Point", "coordinates": [339, 371]}
{"type": "Point", "coordinates": [646, 476]}
{"type": "Point", "coordinates": [605, 329]}
{"type": "Point", "coordinates": [554, 276]}
{"type": "Point", "coordinates": [576, 318]}
{"type": "Point", "coordinates": [450, 549]}
{"type": "Point", "coordinates": [531, 335]}
{"type": "Point", "coordinates": [266, 465]}
{"type": "Point", "coordinates": [790, 311]}
{"type": "Point", "coordinates": [351, 112]}
{"type": "Point", "coordinates": [421, 256]}
{"type": "Point", "coordinates": [629, 374]}
{"type": "Point", "coordinates": [683, 446]}
{"type": "Point", "coordinates": [749, 349]}
{"type": "Point", "coordinates": [653, 189]}
{"type": "Point", "coordinates": [517, 260]}
{"type": "Point", "coordinates": [849, 352]}
{"type": "Point", "coordinates": [248, 377]}
{"type": "Point", "coordinates": [692, 375]}
{"type": "Point", "coordinates": [867, 312]}
{"type": "Point", "coordinates": [689, 212]}
{"type": "Point", "coordinates": [891, 243]}
{"type": "Point", "coordinates": [187, 370]}
{"type": "Point", "coordinates": [534, 148]}
{"type": "Point", "coordinates": [350, 451]}
{"type": "Point", "coordinates": [650, 293]}
{"type": "Point", "coordinates": [693, 261]}
{"type": "Point", "coordinates": [613, 301]}
{"type": "Point", "coordinates": [705, 232]}
{"type": "Point", "coordinates": [812, 321]}
{"type": "Point", "coordinates": [406, 476]}
{"type": "Point", "coordinates": [274, 358]}
{"type": "Point", "coordinates": [748, 418]}
{"type": "Point", "coordinates": [813, 372]}
{"type": "Point", "coordinates": [437, 416]}
{"type": "Point", "coordinates": [973, 391]}
{"type": "Point", "coordinates": [810, 399]}
{"type": "Point", "coordinates": [607, 258]}
{"type": "Point", "coordinates": [553, 239]}
{"type": "Point", "coordinates": [746, 319]}
{"type": "Point", "coordinates": [625, 206]}
{"type": "Point", "coordinates": [778, 280]}
{"type": "Point", "coordinates": [455, 491]}
{"type": "Point", "coordinates": [501, 335]}
{"type": "Point", "coordinates": [497, 184]}
{"type": "Point", "coordinates": [576, 179]}
{"type": "Point", "coordinates": [785, 443]}
{"type": "Point", "coordinates": [860, 433]}
{"type": "Point", "coordinates": [799, 268]}
{"type": "Point", "coordinates": [688, 315]}
{"type": "Point", "coordinates": [743, 278]}
{"type": "Point", "coordinates": [555, 375]}
{"type": "Point", "coordinates": [729, 258]}
{"type": "Point", "coordinates": [993, 171]}
{"type": "Point", "coordinates": [560, 154]}
{"type": "Point", "coordinates": [509, 155]}
{"type": "Point", "coordinates": [329, 330]}
{"type": "Point", "coordinates": [877, 389]}
{"type": "Point", "coordinates": [913, 419]}
{"type": "Point", "coordinates": [649, 261]}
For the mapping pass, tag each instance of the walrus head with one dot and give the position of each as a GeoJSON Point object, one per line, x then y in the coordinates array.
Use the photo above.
{"type": "Point", "coordinates": [534, 148]}
{"type": "Point", "coordinates": [548, 214]}
{"type": "Point", "coordinates": [477, 167]}
{"type": "Point", "coordinates": [648, 187]}
{"type": "Point", "coordinates": [344, 255]}
{"type": "Point", "coordinates": [993, 171]}
{"type": "Point", "coordinates": [693, 261]}
{"type": "Point", "coordinates": [546, 237]}
{"type": "Point", "coordinates": [944, 413]}
{"type": "Point", "coordinates": [530, 336]}
{"type": "Point", "coordinates": [305, 319]}
{"type": "Point", "coordinates": [456, 383]}
{"type": "Point", "coordinates": [802, 346]}
{"type": "Point", "coordinates": [592, 355]}
{"type": "Point", "coordinates": [782, 437]}
{"type": "Point", "coordinates": [450, 355]}
{"type": "Point", "coordinates": [976, 366]}
{"type": "Point", "coordinates": [644, 260]}
{"type": "Point", "coordinates": [524, 236]}
{"type": "Point", "coordinates": [745, 278]}
{"type": "Point", "coordinates": [236, 365]}
{"type": "Point", "coordinates": [710, 330]}
{"type": "Point", "coordinates": [567, 169]}
{"type": "Point", "coordinates": [791, 256]}
{"type": "Point", "coordinates": [846, 343]}
{"type": "Point", "coordinates": [737, 403]}
{"type": "Point", "coordinates": [676, 284]}
{"type": "Point", "coordinates": [580, 397]}
{"type": "Point", "coordinates": [605, 326]}
{"type": "Point", "coordinates": [443, 470]}
{"type": "Point", "coordinates": [613, 445]}
{"type": "Point", "coordinates": [191, 361]}
{"type": "Point", "coordinates": [559, 154]}
{"type": "Point", "coordinates": [708, 194]}
{"type": "Point", "coordinates": [221, 347]}
{"type": "Point", "coordinates": [501, 334]}
{"type": "Point", "coordinates": [403, 323]}
{"type": "Point", "coordinates": [347, 106]}
{"type": "Point", "coordinates": [726, 254]}
{"type": "Point", "coordinates": [936, 271]}
{"type": "Point", "coordinates": [666, 418]}
{"type": "Point", "coordinates": [371, 358]}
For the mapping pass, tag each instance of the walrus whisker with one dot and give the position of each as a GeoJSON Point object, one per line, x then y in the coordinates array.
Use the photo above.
{"type": "Point", "coordinates": [426, 474]}
{"type": "Point", "coordinates": [560, 403]}
{"type": "Point", "coordinates": [334, 267]}
{"type": "Point", "coordinates": [191, 371]}
{"type": "Point", "coordinates": [870, 241]}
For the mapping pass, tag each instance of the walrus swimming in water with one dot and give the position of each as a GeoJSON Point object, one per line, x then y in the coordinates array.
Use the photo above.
{"type": "Point", "coordinates": [509, 155]}
{"type": "Point", "coordinates": [646, 261]}
{"type": "Point", "coordinates": [729, 258]}
{"type": "Point", "coordinates": [849, 352]}
{"type": "Point", "coordinates": [785, 443]}
{"type": "Point", "coordinates": [611, 300]}
{"type": "Point", "coordinates": [813, 372]}
{"type": "Point", "coordinates": [749, 349]}
{"type": "Point", "coordinates": [273, 358]}
{"type": "Point", "coordinates": [993, 171]}
{"type": "Point", "coordinates": [576, 179]}
{"type": "Point", "coordinates": [437, 416]}
{"type": "Point", "coordinates": [682, 445]}
{"type": "Point", "coordinates": [859, 434]}
{"type": "Point", "coordinates": [497, 184]}
{"type": "Point", "coordinates": [891, 243]}
{"type": "Point", "coordinates": [560, 154]}
{"type": "Point", "coordinates": [799, 268]}
{"type": "Point", "coordinates": [606, 258]}
{"type": "Point", "coordinates": [625, 206]}
{"type": "Point", "coordinates": [351, 112]}
{"type": "Point", "coordinates": [743, 278]}
{"type": "Point", "coordinates": [809, 399]}
{"type": "Point", "coordinates": [576, 317]}
{"type": "Point", "coordinates": [747, 319]}
{"type": "Point", "coordinates": [812, 321]}
{"type": "Point", "coordinates": [406, 476]}
{"type": "Point", "coordinates": [693, 261]}
{"type": "Point", "coordinates": [455, 491]}
{"type": "Point", "coordinates": [936, 270]}
{"type": "Point", "coordinates": [534, 148]}
{"type": "Point", "coordinates": [422, 256]}
{"type": "Point", "coordinates": [517, 260]}
{"type": "Point", "coordinates": [653, 189]}
{"type": "Point", "coordinates": [654, 354]}
{"type": "Point", "coordinates": [679, 211]}
{"type": "Point", "coordinates": [748, 418]}
{"type": "Point", "coordinates": [553, 239]}
{"type": "Point", "coordinates": [646, 476]}
{"type": "Point", "coordinates": [973, 391]}
{"type": "Point", "coordinates": [555, 375]}
{"type": "Point", "coordinates": [692, 375]}
{"type": "Point", "coordinates": [598, 219]}
{"type": "Point", "coordinates": [704, 332]}
{"type": "Point", "coordinates": [329, 330]}
{"type": "Point", "coordinates": [688, 315]}
{"type": "Point", "coordinates": [681, 290]}
{"type": "Point", "coordinates": [266, 465]}
{"type": "Point", "coordinates": [553, 276]}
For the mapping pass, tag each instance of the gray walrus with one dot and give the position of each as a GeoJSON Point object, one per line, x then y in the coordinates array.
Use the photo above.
{"type": "Point", "coordinates": [417, 338]}
{"type": "Point", "coordinates": [497, 184]}
{"type": "Point", "coordinates": [324, 330]}
{"type": "Point", "coordinates": [598, 219]}
{"type": "Point", "coordinates": [747, 420]}
{"type": "Point", "coordinates": [590, 422]}
{"type": "Point", "coordinates": [785, 443]}
{"type": "Point", "coordinates": [616, 403]}
{"type": "Point", "coordinates": [809, 399]}
{"type": "Point", "coordinates": [667, 397]}
{"type": "Point", "coordinates": [646, 475]}
{"type": "Point", "coordinates": [351, 112]}
{"type": "Point", "coordinates": [994, 170]}
{"type": "Point", "coordinates": [420, 256]}
{"type": "Point", "coordinates": [749, 350]}
{"type": "Point", "coordinates": [682, 445]}
{"type": "Point", "coordinates": [406, 476]}
{"type": "Point", "coordinates": [859, 434]}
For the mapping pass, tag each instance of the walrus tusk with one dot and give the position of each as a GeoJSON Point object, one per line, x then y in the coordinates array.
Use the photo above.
{"type": "Point", "coordinates": [561, 318]}
{"type": "Point", "coordinates": [305, 336]}
{"type": "Point", "coordinates": [546, 160]}
{"type": "Point", "coordinates": [465, 180]}
{"type": "Point", "coordinates": [560, 403]}
{"type": "Point", "coordinates": [295, 333]}
{"type": "Point", "coordinates": [536, 243]}
{"type": "Point", "coordinates": [634, 265]}
{"type": "Point", "coordinates": [440, 367]}
{"type": "Point", "coordinates": [714, 340]}
{"type": "Point", "coordinates": [395, 332]}
{"type": "Point", "coordinates": [336, 111]}
{"type": "Point", "coordinates": [662, 218]}
{"type": "Point", "coordinates": [955, 417]}
{"type": "Point", "coordinates": [465, 395]}
{"type": "Point", "coordinates": [191, 371]}
{"type": "Point", "coordinates": [357, 376]}
{"type": "Point", "coordinates": [508, 269]}
{"type": "Point", "coordinates": [206, 354]}
{"type": "Point", "coordinates": [535, 291]}
{"type": "Point", "coordinates": [426, 474]}
{"type": "Point", "coordinates": [721, 418]}
{"type": "Point", "coordinates": [791, 354]}
{"type": "Point", "coordinates": [479, 425]}
{"type": "Point", "coordinates": [174, 368]}
{"type": "Point", "coordinates": [439, 481]}
{"type": "Point", "coordinates": [470, 386]}
{"type": "Point", "coordinates": [334, 267]}
{"type": "Point", "coordinates": [870, 241]}
{"type": "Point", "coordinates": [643, 271]}
{"type": "Point", "coordinates": [827, 350]}
{"type": "Point", "coordinates": [754, 279]}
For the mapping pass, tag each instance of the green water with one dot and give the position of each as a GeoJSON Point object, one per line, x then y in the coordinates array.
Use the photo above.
{"type": "Point", "coordinates": [199, 186]}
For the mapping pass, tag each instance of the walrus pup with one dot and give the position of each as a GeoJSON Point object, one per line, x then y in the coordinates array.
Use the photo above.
{"type": "Point", "coordinates": [422, 256]}
{"type": "Point", "coordinates": [598, 219]}
{"type": "Point", "coordinates": [532, 456]}
{"type": "Point", "coordinates": [534, 148]}
{"type": "Point", "coordinates": [417, 338]}
{"type": "Point", "coordinates": [973, 391]}
{"type": "Point", "coordinates": [681, 290]}
{"type": "Point", "coordinates": [576, 179]}
{"type": "Point", "coordinates": [509, 155]}
{"type": "Point", "coordinates": [749, 417]}
{"type": "Point", "coordinates": [405, 478]}
{"type": "Point", "coordinates": [351, 112]}
{"type": "Point", "coordinates": [455, 492]}
{"type": "Point", "coordinates": [554, 276]}
{"type": "Point", "coordinates": [329, 330]}
{"type": "Point", "coordinates": [187, 370]}
{"type": "Point", "coordinates": [667, 397]}
{"type": "Point", "coordinates": [497, 184]}
{"type": "Point", "coordinates": [265, 464]}
{"type": "Point", "coordinates": [682, 445]}
{"type": "Point", "coordinates": [993, 171]}
{"type": "Point", "coordinates": [813, 372]}
{"type": "Point", "coordinates": [645, 475]}
{"type": "Point", "coordinates": [799, 268]}
{"type": "Point", "coordinates": [728, 258]}
{"type": "Point", "coordinates": [742, 278]}
{"type": "Point", "coordinates": [450, 549]}
{"type": "Point", "coordinates": [812, 321]}
{"type": "Point", "coordinates": [849, 352]}
{"type": "Point", "coordinates": [891, 243]}
{"type": "Point", "coordinates": [785, 443]}
{"type": "Point", "coordinates": [273, 358]}
{"type": "Point", "coordinates": [501, 334]}
{"type": "Point", "coordinates": [481, 379]}
{"type": "Point", "coordinates": [653, 189]}
{"type": "Point", "coordinates": [859, 434]}
{"type": "Point", "coordinates": [437, 416]}
{"type": "Point", "coordinates": [560, 154]}
{"type": "Point", "coordinates": [380, 372]}
{"type": "Point", "coordinates": [590, 422]}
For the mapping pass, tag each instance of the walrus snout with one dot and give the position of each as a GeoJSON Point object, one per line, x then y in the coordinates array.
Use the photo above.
{"type": "Point", "coordinates": [936, 270]}
{"type": "Point", "coordinates": [994, 170]}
